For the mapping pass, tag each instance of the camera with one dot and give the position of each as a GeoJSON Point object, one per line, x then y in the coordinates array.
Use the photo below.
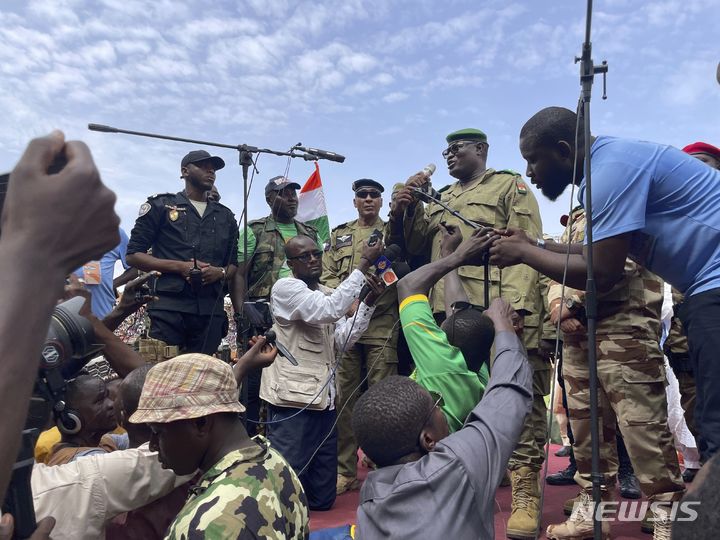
{"type": "Point", "coordinates": [69, 345]}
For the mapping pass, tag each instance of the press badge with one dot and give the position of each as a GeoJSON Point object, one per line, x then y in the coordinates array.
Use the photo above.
{"type": "Point", "coordinates": [91, 273]}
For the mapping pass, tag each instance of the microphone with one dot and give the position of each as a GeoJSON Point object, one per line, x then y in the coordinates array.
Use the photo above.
{"type": "Point", "coordinates": [100, 127]}
{"type": "Point", "coordinates": [321, 154]}
{"type": "Point", "coordinates": [271, 338]}
{"type": "Point", "coordinates": [427, 189]}
{"type": "Point", "coordinates": [383, 269]}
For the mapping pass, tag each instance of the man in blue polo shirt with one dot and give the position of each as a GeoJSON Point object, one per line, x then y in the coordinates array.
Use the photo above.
{"type": "Point", "coordinates": [651, 202]}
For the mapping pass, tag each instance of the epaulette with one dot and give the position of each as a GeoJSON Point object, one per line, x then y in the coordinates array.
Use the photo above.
{"type": "Point", "coordinates": [444, 188]}
{"type": "Point", "coordinates": [259, 220]}
{"type": "Point", "coordinates": [509, 171]}
{"type": "Point", "coordinates": [151, 197]}
{"type": "Point", "coordinates": [340, 226]}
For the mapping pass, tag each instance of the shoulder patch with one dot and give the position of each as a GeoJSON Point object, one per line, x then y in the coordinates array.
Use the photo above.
{"type": "Point", "coordinates": [343, 241]}
{"type": "Point", "coordinates": [521, 187]}
{"type": "Point", "coordinates": [144, 209]}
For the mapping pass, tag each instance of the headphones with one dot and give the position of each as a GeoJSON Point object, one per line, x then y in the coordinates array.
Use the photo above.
{"type": "Point", "coordinates": [67, 420]}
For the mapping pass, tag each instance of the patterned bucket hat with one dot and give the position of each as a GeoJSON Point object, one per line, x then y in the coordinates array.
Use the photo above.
{"type": "Point", "coordinates": [188, 386]}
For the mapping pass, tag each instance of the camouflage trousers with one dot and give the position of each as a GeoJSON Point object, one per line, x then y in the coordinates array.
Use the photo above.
{"type": "Point", "coordinates": [631, 395]}
{"type": "Point", "coordinates": [360, 359]}
{"type": "Point", "coordinates": [530, 448]}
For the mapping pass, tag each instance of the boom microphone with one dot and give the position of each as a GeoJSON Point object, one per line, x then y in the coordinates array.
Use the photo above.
{"type": "Point", "coordinates": [321, 154]}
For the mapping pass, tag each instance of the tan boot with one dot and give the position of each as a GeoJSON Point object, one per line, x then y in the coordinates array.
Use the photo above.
{"type": "Point", "coordinates": [525, 513]}
{"type": "Point", "coordinates": [580, 524]}
{"type": "Point", "coordinates": [346, 483]}
{"type": "Point", "coordinates": [662, 524]}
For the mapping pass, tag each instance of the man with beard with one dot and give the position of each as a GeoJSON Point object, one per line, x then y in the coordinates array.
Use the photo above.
{"type": "Point", "coordinates": [194, 246]}
{"type": "Point", "coordinates": [489, 197]}
{"type": "Point", "coordinates": [651, 202]}
{"type": "Point", "coordinates": [259, 269]}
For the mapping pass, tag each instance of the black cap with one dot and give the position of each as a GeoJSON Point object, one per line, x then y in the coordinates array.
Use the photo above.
{"type": "Point", "coordinates": [278, 183]}
{"type": "Point", "coordinates": [202, 155]}
{"type": "Point", "coordinates": [367, 182]}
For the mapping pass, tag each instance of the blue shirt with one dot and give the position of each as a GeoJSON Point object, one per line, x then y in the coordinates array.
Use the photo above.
{"type": "Point", "coordinates": [669, 200]}
{"type": "Point", "coordinates": [103, 295]}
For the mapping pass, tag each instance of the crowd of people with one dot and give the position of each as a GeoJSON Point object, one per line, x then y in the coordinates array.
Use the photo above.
{"type": "Point", "coordinates": [426, 341]}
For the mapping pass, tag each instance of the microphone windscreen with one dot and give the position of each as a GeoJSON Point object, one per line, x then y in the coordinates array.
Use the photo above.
{"type": "Point", "coordinates": [429, 169]}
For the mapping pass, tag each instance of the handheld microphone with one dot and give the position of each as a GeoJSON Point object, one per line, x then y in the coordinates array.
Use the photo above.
{"type": "Point", "coordinates": [271, 338]}
{"type": "Point", "coordinates": [383, 269]}
{"type": "Point", "coordinates": [427, 189]}
{"type": "Point", "coordinates": [321, 154]}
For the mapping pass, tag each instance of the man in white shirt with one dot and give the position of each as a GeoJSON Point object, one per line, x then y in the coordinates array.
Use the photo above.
{"type": "Point", "coordinates": [310, 320]}
{"type": "Point", "coordinates": [83, 495]}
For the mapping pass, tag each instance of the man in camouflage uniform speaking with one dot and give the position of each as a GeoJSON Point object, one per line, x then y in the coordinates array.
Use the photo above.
{"type": "Point", "coordinates": [376, 350]}
{"type": "Point", "coordinates": [260, 268]}
{"type": "Point", "coordinates": [247, 489]}
{"type": "Point", "coordinates": [495, 199]}
{"type": "Point", "coordinates": [631, 387]}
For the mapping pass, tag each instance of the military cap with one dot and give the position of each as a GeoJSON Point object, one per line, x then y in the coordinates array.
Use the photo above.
{"type": "Point", "coordinates": [278, 183]}
{"type": "Point", "coordinates": [467, 134]}
{"type": "Point", "coordinates": [702, 148]}
{"type": "Point", "coordinates": [367, 182]}
{"type": "Point", "coordinates": [202, 155]}
{"type": "Point", "coordinates": [187, 386]}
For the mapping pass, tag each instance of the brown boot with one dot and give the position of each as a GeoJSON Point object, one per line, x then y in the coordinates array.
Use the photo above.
{"type": "Point", "coordinates": [525, 509]}
{"type": "Point", "coordinates": [346, 483]}
{"type": "Point", "coordinates": [580, 524]}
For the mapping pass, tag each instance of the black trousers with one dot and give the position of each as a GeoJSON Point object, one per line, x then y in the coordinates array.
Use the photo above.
{"type": "Point", "coordinates": [190, 332]}
{"type": "Point", "coordinates": [700, 316]}
{"type": "Point", "coordinates": [297, 439]}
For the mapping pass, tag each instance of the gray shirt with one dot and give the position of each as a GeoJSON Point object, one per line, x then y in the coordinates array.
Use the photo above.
{"type": "Point", "coordinates": [450, 492]}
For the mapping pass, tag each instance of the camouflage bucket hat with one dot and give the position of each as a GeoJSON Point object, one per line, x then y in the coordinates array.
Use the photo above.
{"type": "Point", "coordinates": [188, 386]}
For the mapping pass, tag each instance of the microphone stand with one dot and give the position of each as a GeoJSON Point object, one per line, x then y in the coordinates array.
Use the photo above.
{"type": "Point", "coordinates": [427, 197]}
{"type": "Point", "coordinates": [245, 159]}
{"type": "Point", "coordinates": [588, 70]}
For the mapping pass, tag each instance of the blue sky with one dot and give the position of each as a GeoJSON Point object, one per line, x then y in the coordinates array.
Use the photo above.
{"type": "Point", "coordinates": [379, 81]}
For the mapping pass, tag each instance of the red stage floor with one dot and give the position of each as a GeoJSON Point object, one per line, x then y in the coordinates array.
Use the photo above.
{"type": "Point", "coordinates": [344, 510]}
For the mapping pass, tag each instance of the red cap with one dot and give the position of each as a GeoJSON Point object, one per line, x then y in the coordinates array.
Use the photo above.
{"type": "Point", "coordinates": [702, 148]}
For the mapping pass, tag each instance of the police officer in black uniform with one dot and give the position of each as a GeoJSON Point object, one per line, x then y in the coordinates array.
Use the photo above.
{"type": "Point", "coordinates": [194, 246]}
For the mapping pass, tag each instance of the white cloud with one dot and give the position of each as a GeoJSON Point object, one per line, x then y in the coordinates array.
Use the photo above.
{"type": "Point", "coordinates": [394, 97]}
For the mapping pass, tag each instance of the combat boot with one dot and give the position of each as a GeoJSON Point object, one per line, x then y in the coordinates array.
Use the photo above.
{"type": "Point", "coordinates": [525, 509]}
{"type": "Point", "coordinates": [579, 525]}
{"type": "Point", "coordinates": [662, 524]}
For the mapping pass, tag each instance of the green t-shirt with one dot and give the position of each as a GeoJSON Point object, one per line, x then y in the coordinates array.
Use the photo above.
{"type": "Point", "coordinates": [439, 366]}
{"type": "Point", "coordinates": [287, 231]}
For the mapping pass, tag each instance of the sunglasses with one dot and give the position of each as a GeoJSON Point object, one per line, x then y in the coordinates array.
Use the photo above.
{"type": "Point", "coordinates": [364, 194]}
{"type": "Point", "coordinates": [454, 148]}
{"type": "Point", "coordinates": [306, 257]}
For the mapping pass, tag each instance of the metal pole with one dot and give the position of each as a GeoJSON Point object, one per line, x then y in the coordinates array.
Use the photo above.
{"type": "Point", "coordinates": [587, 74]}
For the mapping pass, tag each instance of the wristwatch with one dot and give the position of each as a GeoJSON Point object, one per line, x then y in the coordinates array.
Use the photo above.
{"type": "Point", "coordinates": [224, 272]}
{"type": "Point", "coordinates": [570, 303]}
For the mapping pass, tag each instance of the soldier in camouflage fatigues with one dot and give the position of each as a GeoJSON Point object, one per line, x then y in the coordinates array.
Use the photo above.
{"type": "Point", "coordinates": [248, 492]}
{"type": "Point", "coordinates": [496, 199]}
{"type": "Point", "coordinates": [376, 351]}
{"type": "Point", "coordinates": [631, 385]}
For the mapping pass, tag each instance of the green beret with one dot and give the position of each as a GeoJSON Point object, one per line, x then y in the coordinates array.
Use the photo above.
{"type": "Point", "coordinates": [467, 134]}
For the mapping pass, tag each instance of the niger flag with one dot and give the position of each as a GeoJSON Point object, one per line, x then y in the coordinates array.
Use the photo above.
{"type": "Point", "coordinates": [311, 205]}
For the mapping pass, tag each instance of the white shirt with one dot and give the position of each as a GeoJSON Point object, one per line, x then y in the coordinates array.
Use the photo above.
{"type": "Point", "coordinates": [291, 300]}
{"type": "Point", "coordinates": [83, 495]}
